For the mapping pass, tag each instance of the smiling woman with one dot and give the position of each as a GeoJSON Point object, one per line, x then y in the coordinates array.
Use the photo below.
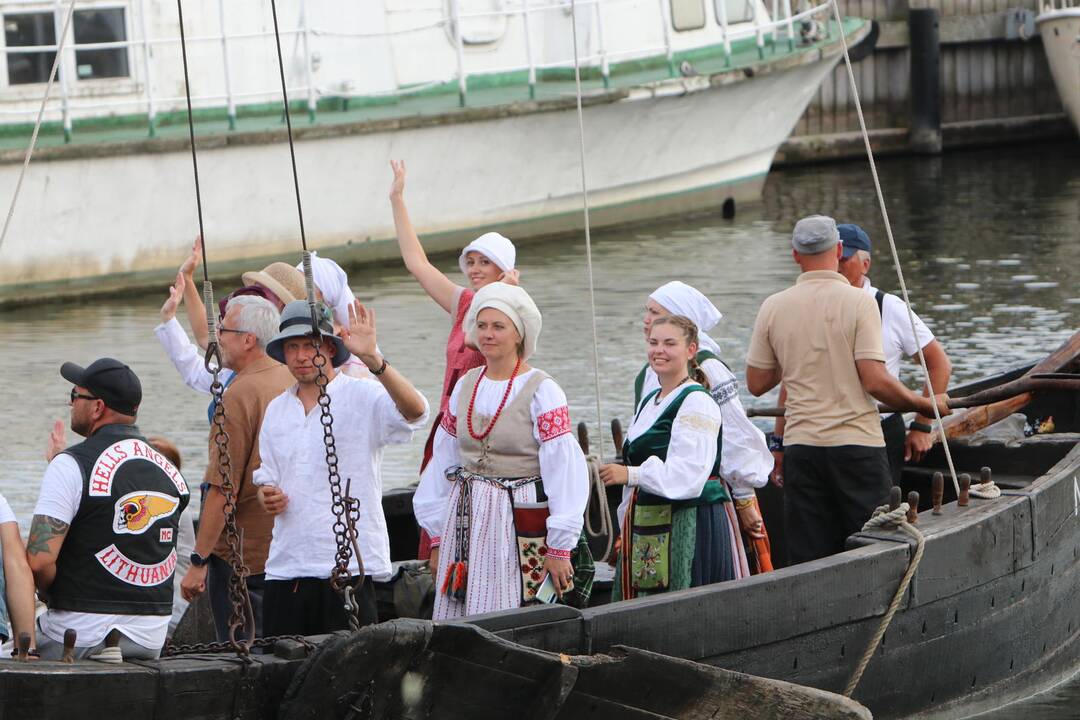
{"type": "Point", "coordinates": [504, 494]}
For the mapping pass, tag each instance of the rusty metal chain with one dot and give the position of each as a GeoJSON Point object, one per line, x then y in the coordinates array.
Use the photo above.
{"type": "Point", "coordinates": [220, 647]}
{"type": "Point", "coordinates": [345, 508]}
{"type": "Point", "coordinates": [242, 616]}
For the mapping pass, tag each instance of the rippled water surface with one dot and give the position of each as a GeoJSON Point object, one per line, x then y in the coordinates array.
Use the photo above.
{"type": "Point", "coordinates": [989, 242]}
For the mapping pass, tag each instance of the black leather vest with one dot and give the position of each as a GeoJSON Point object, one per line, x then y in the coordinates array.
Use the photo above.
{"type": "Point", "coordinates": [119, 555]}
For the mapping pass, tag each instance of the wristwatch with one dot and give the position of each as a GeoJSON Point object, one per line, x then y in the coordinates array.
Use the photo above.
{"type": "Point", "coordinates": [921, 427]}
{"type": "Point", "coordinates": [198, 560]}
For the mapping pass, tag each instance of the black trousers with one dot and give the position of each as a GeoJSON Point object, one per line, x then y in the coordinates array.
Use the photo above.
{"type": "Point", "coordinates": [895, 434]}
{"type": "Point", "coordinates": [829, 492]}
{"type": "Point", "coordinates": [309, 606]}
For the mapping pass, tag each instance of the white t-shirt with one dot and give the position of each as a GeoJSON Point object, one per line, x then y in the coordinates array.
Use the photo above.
{"type": "Point", "coordinates": [6, 515]}
{"type": "Point", "coordinates": [896, 338]}
{"type": "Point", "coordinates": [60, 497]}
{"type": "Point", "coordinates": [293, 459]}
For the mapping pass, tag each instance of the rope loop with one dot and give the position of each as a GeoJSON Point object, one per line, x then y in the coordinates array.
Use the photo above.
{"type": "Point", "coordinates": [598, 490]}
{"type": "Point", "coordinates": [884, 518]}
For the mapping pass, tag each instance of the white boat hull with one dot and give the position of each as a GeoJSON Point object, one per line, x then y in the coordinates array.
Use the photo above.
{"type": "Point", "coordinates": [125, 217]}
{"type": "Point", "coordinates": [1060, 33]}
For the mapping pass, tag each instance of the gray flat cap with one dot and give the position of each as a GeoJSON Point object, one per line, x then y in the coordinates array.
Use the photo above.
{"type": "Point", "coordinates": [814, 234]}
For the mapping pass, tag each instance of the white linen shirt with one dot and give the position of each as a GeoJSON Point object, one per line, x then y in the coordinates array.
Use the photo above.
{"type": "Point", "coordinates": [896, 338]}
{"type": "Point", "coordinates": [691, 453]}
{"type": "Point", "coordinates": [562, 464]}
{"type": "Point", "coordinates": [293, 459]}
{"type": "Point", "coordinates": [187, 357]}
{"type": "Point", "coordinates": [745, 460]}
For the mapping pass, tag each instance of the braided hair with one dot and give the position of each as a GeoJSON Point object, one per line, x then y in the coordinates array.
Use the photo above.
{"type": "Point", "coordinates": [690, 335]}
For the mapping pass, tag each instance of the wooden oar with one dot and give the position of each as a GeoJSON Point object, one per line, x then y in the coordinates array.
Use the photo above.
{"type": "Point", "coordinates": [993, 404]}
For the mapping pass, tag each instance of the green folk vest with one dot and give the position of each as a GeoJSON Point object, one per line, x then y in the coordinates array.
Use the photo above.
{"type": "Point", "coordinates": [119, 555]}
{"type": "Point", "coordinates": [654, 443]}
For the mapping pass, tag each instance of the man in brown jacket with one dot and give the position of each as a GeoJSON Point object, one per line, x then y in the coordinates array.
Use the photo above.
{"type": "Point", "coordinates": [249, 323]}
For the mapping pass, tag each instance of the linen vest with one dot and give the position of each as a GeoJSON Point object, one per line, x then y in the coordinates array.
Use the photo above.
{"type": "Point", "coordinates": [654, 443]}
{"type": "Point", "coordinates": [119, 555]}
{"type": "Point", "coordinates": [511, 450]}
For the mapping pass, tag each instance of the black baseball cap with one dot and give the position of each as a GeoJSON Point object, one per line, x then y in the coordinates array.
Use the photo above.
{"type": "Point", "coordinates": [113, 382]}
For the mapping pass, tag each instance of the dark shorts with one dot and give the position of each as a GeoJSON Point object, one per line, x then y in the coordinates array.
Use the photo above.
{"type": "Point", "coordinates": [309, 606]}
{"type": "Point", "coordinates": [829, 493]}
{"type": "Point", "coordinates": [895, 434]}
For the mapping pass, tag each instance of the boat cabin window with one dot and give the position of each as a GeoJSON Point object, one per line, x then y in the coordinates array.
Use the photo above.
{"type": "Point", "coordinates": [687, 14]}
{"type": "Point", "coordinates": [737, 10]}
{"type": "Point", "coordinates": [29, 30]}
{"type": "Point", "coordinates": [35, 30]}
{"type": "Point", "coordinates": [106, 25]}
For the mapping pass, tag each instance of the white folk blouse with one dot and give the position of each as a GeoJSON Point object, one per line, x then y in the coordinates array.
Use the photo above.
{"type": "Point", "coordinates": [562, 464]}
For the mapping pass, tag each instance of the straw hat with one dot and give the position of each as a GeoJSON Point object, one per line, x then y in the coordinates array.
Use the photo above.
{"type": "Point", "coordinates": [280, 278]}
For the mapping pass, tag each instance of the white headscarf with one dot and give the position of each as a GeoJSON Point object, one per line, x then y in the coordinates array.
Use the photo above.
{"type": "Point", "coordinates": [494, 247]}
{"type": "Point", "coordinates": [681, 299]}
{"type": "Point", "coordinates": [333, 283]}
{"type": "Point", "coordinates": [516, 304]}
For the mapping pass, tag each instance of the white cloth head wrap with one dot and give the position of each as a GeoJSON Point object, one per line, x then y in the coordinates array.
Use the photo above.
{"type": "Point", "coordinates": [333, 283]}
{"type": "Point", "coordinates": [494, 247]}
{"type": "Point", "coordinates": [681, 299]}
{"type": "Point", "coordinates": [513, 302]}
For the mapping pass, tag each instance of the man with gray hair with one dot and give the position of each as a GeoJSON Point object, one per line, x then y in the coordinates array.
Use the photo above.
{"type": "Point", "coordinates": [249, 323]}
{"type": "Point", "coordinates": [822, 339]}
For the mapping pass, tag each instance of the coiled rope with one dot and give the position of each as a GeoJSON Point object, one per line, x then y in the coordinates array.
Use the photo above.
{"type": "Point", "coordinates": [892, 243]}
{"type": "Point", "coordinates": [883, 517]}
{"type": "Point", "coordinates": [37, 123]}
{"type": "Point", "coordinates": [598, 490]}
{"type": "Point", "coordinates": [588, 232]}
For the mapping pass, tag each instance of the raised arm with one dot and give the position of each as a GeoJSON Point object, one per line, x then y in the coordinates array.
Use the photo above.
{"type": "Point", "coordinates": [359, 338]}
{"type": "Point", "coordinates": [193, 304]}
{"type": "Point", "coordinates": [438, 287]}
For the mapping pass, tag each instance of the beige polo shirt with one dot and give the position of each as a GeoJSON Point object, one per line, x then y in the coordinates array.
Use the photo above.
{"type": "Point", "coordinates": [814, 332]}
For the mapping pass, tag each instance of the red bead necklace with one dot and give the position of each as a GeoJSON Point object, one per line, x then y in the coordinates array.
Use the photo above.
{"type": "Point", "coordinates": [472, 401]}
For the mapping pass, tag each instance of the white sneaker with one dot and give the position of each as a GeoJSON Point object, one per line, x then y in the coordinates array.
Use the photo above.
{"type": "Point", "coordinates": [111, 655]}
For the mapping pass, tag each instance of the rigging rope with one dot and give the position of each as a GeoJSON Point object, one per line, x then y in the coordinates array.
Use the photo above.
{"type": "Point", "coordinates": [892, 243]}
{"type": "Point", "coordinates": [588, 233]}
{"type": "Point", "coordinates": [242, 617]}
{"type": "Point", "coordinates": [346, 509]}
{"type": "Point", "coordinates": [890, 519]}
{"type": "Point", "coordinates": [37, 123]}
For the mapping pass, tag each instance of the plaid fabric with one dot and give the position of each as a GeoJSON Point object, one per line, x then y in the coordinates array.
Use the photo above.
{"type": "Point", "coordinates": [584, 569]}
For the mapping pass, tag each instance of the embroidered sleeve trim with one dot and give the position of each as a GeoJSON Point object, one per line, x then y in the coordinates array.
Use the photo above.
{"type": "Point", "coordinates": [435, 542]}
{"type": "Point", "coordinates": [557, 553]}
{"type": "Point", "coordinates": [724, 392]}
{"type": "Point", "coordinates": [449, 423]}
{"type": "Point", "coordinates": [553, 423]}
{"type": "Point", "coordinates": [697, 422]}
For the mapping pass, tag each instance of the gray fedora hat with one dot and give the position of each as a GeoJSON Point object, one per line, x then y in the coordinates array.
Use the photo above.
{"type": "Point", "coordinates": [296, 322]}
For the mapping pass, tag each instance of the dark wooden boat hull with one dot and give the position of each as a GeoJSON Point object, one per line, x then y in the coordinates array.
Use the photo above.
{"type": "Point", "coordinates": [990, 616]}
{"type": "Point", "coordinates": [455, 671]}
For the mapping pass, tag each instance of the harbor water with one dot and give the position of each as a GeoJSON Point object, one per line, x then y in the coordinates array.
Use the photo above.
{"type": "Point", "coordinates": [989, 242]}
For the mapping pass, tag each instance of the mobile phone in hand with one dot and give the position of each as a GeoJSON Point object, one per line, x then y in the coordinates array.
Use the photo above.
{"type": "Point", "coordinates": [546, 593]}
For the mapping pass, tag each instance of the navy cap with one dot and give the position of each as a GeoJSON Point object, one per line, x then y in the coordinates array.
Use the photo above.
{"type": "Point", "coordinates": [109, 380]}
{"type": "Point", "coordinates": [854, 238]}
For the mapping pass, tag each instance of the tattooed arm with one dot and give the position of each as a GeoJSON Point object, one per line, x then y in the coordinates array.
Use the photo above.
{"type": "Point", "coordinates": [46, 537]}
